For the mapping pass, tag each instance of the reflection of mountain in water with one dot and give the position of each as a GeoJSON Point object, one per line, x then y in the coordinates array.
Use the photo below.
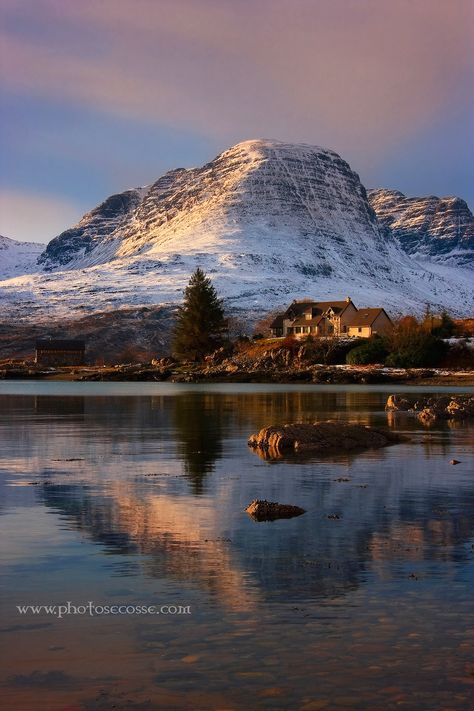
{"type": "Point", "coordinates": [195, 531]}
{"type": "Point", "coordinates": [178, 536]}
{"type": "Point", "coordinates": [209, 542]}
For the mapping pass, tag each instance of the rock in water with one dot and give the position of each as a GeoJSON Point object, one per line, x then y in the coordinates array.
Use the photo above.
{"type": "Point", "coordinates": [397, 402]}
{"type": "Point", "coordinates": [430, 409]}
{"type": "Point", "coordinates": [262, 510]}
{"type": "Point", "coordinates": [318, 437]}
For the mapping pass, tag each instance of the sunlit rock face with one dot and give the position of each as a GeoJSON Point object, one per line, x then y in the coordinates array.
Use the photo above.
{"type": "Point", "coordinates": [257, 199]}
{"type": "Point", "coordinates": [94, 229]}
{"type": "Point", "coordinates": [440, 229]}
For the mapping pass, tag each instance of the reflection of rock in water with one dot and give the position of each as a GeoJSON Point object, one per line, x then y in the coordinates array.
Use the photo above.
{"type": "Point", "coordinates": [319, 437]}
{"type": "Point", "coordinates": [198, 423]}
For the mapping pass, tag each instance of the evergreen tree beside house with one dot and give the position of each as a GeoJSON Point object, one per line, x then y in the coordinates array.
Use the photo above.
{"type": "Point", "coordinates": [201, 326]}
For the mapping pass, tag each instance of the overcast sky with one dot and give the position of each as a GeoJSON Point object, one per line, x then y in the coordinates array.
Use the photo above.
{"type": "Point", "coordinates": [102, 95]}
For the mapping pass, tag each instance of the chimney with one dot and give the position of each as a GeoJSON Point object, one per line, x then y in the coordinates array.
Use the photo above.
{"type": "Point", "coordinates": [348, 299]}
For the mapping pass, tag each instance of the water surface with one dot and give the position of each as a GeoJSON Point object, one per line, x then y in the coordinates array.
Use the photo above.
{"type": "Point", "coordinates": [133, 494]}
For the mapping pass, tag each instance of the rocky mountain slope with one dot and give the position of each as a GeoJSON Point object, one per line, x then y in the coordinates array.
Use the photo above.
{"type": "Point", "coordinates": [256, 199]}
{"type": "Point", "coordinates": [94, 228]}
{"type": "Point", "coordinates": [18, 257]}
{"type": "Point", "coordinates": [268, 221]}
{"type": "Point", "coordinates": [438, 229]}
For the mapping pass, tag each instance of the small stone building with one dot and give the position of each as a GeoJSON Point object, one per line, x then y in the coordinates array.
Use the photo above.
{"type": "Point", "coordinates": [57, 352]}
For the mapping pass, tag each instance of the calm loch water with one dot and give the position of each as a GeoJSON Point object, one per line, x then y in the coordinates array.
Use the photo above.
{"type": "Point", "coordinates": [133, 495]}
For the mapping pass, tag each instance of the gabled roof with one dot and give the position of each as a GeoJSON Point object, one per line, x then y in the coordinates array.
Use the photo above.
{"type": "Point", "coordinates": [277, 322]}
{"type": "Point", "coordinates": [297, 308]}
{"type": "Point", "coordinates": [336, 306]}
{"type": "Point", "coordinates": [366, 317]}
{"type": "Point", "coordinates": [317, 307]}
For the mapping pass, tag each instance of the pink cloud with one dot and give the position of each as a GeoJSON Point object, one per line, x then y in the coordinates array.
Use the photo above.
{"type": "Point", "coordinates": [358, 76]}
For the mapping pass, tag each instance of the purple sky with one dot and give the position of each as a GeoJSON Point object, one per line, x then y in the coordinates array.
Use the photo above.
{"type": "Point", "coordinates": [102, 95]}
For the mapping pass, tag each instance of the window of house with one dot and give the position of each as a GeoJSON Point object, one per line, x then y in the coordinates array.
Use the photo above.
{"type": "Point", "coordinates": [360, 329]}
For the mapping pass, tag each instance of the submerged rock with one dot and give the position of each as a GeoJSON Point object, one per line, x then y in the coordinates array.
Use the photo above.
{"type": "Point", "coordinates": [329, 436]}
{"type": "Point", "coordinates": [262, 510]}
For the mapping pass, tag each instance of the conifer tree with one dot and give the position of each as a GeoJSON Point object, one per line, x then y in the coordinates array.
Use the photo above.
{"type": "Point", "coordinates": [201, 326]}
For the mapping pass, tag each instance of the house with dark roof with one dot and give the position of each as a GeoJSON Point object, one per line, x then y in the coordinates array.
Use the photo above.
{"type": "Point", "coordinates": [368, 322]}
{"type": "Point", "coordinates": [57, 352]}
{"type": "Point", "coordinates": [330, 318]}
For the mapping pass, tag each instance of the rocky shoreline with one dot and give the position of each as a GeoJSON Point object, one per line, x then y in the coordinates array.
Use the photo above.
{"type": "Point", "coordinates": [165, 371]}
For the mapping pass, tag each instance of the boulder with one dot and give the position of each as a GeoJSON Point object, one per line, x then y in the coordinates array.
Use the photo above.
{"type": "Point", "coordinates": [428, 415]}
{"type": "Point", "coordinates": [318, 437]}
{"type": "Point", "coordinates": [397, 402]}
{"type": "Point", "coordinates": [461, 407]}
{"type": "Point", "coordinates": [262, 510]}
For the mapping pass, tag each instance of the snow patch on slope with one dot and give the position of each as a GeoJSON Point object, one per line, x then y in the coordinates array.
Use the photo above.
{"type": "Point", "coordinates": [18, 257]}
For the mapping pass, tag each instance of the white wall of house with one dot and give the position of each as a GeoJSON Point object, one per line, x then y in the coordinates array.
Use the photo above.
{"type": "Point", "coordinates": [360, 331]}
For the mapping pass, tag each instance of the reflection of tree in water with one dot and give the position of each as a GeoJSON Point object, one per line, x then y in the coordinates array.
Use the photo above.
{"type": "Point", "coordinates": [198, 423]}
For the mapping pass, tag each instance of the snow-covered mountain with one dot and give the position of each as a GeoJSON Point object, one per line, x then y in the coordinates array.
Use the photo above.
{"type": "Point", "coordinates": [93, 230]}
{"type": "Point", "coordinates": [254, 200]}
{"type": "Point", "coordinates": [269, 222]}
{"type": "Point", "coordinates": [18, 257]}
{"type": "Point", "coordinates": [438, 229]}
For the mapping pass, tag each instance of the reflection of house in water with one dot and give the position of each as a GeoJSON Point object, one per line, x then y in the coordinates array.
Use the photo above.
{"type": "Point", "coordinates": [57, 407]}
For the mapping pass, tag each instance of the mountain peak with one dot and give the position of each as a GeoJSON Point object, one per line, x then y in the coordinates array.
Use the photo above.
{"type": "Point", "coordinates": [263, 144]}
